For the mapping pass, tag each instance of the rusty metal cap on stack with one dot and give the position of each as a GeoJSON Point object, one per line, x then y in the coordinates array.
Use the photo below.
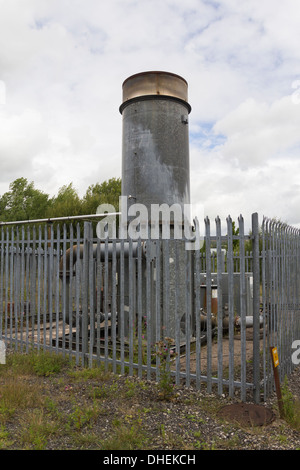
{"type": "Point", "coordinates": [155, 85]}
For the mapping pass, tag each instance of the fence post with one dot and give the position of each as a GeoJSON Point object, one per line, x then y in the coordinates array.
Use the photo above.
{"type": "Point", "coordinates": [256, 305]}
{"type": "Point", "coordinates": [85, 292]}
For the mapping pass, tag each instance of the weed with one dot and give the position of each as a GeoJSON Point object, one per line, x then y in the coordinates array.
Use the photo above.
{"type": "Point", "coordinates": [18, 364]}
{"type": "Point", "coordinates": [46, 364]}
{"type": "Point", "coordinates": [87, 440]}
{"type": "Point", "coordinates": [195, 419]}
{"type": "Point", "coordinates": [173, 440]}
{"type": "Point", "coordinates": [15, 395]}
{"type": "Point", "coordinates": [282, 438]}
{"type": "Point", "coordinates": [162, 431]}
{"type": "Point", "coordinates": [41, 412]}
{"type": "Point", "coordinates": [42, 363]}
{"type": "Point", "coordinates": [104, 391]}
{"type": "Point", "coordinates": [81, 417]}
{"type": "Point", "coordinates": [99, 392]}
{"type": "Point", "coordinates": [133, 387]}
{"type": "Point", "coordinates": [163, 352]}
{"type": "Point", "coordinates": [92, 373]}
{"type": "Point", "coordinates": [204, 446]}
{"type": "Point", "coordinates": [51, 406]}
{"type": "Point", "coordinates": [126, 437]}
{"type": "Point", "coordinates": [5, 442]}
{"type": "Point", "coordinates": [291, 407]}
{"type": "Point", "coordinates": [37, 428]}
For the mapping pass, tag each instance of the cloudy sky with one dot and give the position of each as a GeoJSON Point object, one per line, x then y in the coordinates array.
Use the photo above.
{"type": "Point", "coordinates": [63, 62]}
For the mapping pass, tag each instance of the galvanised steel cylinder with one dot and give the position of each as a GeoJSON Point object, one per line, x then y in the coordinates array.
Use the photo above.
{"type": "Point", "coordinates": [156, 171]}
{"type": "Point", "coordinates": [155, 147]}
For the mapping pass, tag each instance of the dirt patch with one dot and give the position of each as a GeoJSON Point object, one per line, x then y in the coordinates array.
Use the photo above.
{"type": "Point", "coordinates": [247, 414]}
{"type": "Point", "coordinates": [236, 352]}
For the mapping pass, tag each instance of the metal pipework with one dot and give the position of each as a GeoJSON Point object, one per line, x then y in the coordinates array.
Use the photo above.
{"type": "Point", "coordinates": [248, 321]}
{"type": "Point", "coordinates": [106, 250]}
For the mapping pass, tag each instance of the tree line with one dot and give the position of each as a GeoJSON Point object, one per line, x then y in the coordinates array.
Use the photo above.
{"type": "Point", "coordinates": [25, 202]}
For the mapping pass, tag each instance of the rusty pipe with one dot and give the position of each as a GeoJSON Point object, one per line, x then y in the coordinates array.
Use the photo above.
{"type": "Point", "coordinates": [105, 250]}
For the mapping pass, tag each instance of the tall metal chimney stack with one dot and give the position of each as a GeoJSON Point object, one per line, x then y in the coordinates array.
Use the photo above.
{"type": "Point", "coordinates": [155, 147]}
{"type": "Point", "coordinates": [156, 171]}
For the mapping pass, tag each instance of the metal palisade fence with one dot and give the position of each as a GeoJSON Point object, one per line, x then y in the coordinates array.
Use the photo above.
{"type": "Point", "coordinates": [210, 311]}
{"type": "Point", "coordinates": [280, 292]}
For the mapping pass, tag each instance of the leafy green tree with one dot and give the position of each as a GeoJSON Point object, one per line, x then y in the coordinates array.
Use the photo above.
{"type": "Point", "coordinates": [235, 232]}
{"type": "Point", "coordinates": [66, 203]}
{"type": "Point", "coordinates": [23, 202]}
{"type": "Point", "coordinates": [107, 192]}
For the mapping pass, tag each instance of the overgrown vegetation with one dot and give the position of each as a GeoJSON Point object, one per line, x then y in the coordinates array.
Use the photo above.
{"type": "Point", "coordinates": [49, 402]}
{"type": "Point", "coordinates": [291, 406]}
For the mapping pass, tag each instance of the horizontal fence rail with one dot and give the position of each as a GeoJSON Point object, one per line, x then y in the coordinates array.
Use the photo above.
{"type": "Point", "coordinates": [209, 313]}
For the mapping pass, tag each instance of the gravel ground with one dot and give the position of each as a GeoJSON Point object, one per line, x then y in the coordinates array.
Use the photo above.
{"type": "Point", "coordinates": [190, 420]}
{"type": "Point", "coordinates": [129, 407]}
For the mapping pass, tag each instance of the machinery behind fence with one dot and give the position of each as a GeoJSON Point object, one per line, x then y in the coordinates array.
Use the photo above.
{"type": "Point", "coordinates": [216, 308]}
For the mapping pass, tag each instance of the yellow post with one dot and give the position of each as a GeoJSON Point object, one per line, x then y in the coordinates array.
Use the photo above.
{"type": "Point", "coordinates": [275, 362]}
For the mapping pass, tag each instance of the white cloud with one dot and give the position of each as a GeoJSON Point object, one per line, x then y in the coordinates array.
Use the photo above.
{"type": "Point", "coordinates": [21, 137]}
{"type": "Point", "coordinates": [63, 64]}
{"type": "Point", "coordinates": [257, 132]}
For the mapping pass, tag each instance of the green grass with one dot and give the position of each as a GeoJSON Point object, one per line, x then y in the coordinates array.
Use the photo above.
{"type": "Point", "coordinates": [291, 406]}
{"type": "Point", "coordinates": [42, 417]}
{"type": "Point", "coordinates": [42, 363]}
{"type": "Point", "coordinates": [17, 394]}
{"type": "Point", "coordinates": [49, 402]}
{"type": "Point", "coordinates": [126, 437]}
{"type": "Point", "coordinates": [5, 441]}
{"type": "Point", "coordinates": [36, 428]}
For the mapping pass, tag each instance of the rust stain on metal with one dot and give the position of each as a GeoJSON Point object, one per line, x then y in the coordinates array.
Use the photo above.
{"type": "Point", "coordinates": [155, 83]}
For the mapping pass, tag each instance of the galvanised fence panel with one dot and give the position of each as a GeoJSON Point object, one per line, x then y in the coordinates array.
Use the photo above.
{"type": "Point", "coordinates": [205, 312]}
{"type": "Point", "coordinates": [280, 291]}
